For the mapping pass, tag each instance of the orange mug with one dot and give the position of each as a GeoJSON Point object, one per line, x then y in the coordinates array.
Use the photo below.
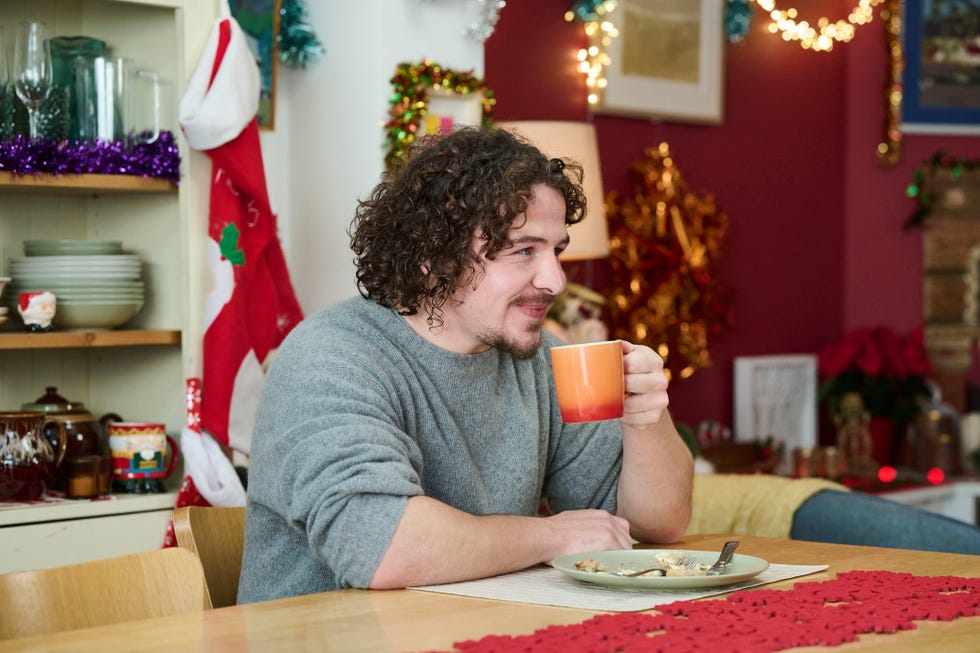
{"type": "Point", "coordinates": [589, 380]}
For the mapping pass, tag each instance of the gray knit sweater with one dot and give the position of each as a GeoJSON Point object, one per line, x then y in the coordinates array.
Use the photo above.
{"type": "Point", "coordinates": [359, 413]}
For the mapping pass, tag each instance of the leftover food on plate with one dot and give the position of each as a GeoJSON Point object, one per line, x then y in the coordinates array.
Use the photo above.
{"type": "Point", "coordinates": [663, 564]}
{"type": "Point", "coordinates": [608, 568]}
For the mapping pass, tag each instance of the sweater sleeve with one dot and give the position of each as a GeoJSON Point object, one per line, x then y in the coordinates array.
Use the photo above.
{"type": "Point", "coordinates": [335, 464]}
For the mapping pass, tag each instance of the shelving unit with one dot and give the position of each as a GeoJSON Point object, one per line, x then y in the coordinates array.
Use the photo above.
{"type": "Point", "coordinates": [139, 370]}
{"type": "Point", "coordinates": [82, 184]}
{"type": "Point", "coordinates": [75, 339]}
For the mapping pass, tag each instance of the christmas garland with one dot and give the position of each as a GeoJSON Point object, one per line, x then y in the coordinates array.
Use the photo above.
{"type": "Point", "coordinates": [159, 159]}
{"type": "Point", "coordinates": [409, 102]}
{"type": "Point", "coordinates": [665, 242]}
{"type": "Point", "coordinates": [919, 191]}
{"type": "Point", "coordinates": [296, 39]}
{"type": "Point", "coordinates": [738, 15]}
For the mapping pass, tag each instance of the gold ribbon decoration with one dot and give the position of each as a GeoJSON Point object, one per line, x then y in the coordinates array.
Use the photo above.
{"type": "Point", "coordinates": [665, 243]}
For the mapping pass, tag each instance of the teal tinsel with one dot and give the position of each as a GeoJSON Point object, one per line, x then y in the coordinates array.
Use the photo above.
{"type": "Point", "coordinates": [585, 11]}
{"type": "Point", "coordinates": [738, 16]}
{"type": "Point", "coordinates": [297, 41]}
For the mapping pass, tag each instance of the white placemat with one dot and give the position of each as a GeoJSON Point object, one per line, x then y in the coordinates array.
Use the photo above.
{"type": "Point", "coordinates": [547, 586]}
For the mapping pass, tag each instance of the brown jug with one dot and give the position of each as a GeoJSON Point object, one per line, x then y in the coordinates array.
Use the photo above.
{"type": "Point", "coordinates": [86, 435]}
{"type": "Point", "coordinates": [27, 460]}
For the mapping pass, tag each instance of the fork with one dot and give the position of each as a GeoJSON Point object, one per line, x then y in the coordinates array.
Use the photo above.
{"type": "Point", "coordinates": [724, 559]}
{"type": "Point", "coordinates": [688, 561]}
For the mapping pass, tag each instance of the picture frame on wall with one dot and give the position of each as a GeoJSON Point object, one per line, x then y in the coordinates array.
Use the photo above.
{"type": "Point", "coordinates": [941, 78]}
{"type": "Point", "coordinates": [446, 110]}
{"type": "Point", "coordinates": [428, 99]}
{"type": "Point", "coordinates": [667, 61]}
{"type": "Point", "coordinates": [259, 19]}
{"type": "Point", "coordinates": [777, 396]}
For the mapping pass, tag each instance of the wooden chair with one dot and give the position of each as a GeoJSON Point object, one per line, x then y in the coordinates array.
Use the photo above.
{"type": "Point", "coordinates": [216, 536]}
{"type": "Point", "coordinates": [144, 585]}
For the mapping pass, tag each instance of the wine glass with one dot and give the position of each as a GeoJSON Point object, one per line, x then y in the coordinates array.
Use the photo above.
{"type": "Point", "coordinates": [6, 111]}
{"type": "Point", "coordinates": [32, 68]}
{"type": "Point", "coordinates": [4, 75]}
{"type": "Point", "coordinates": [6, 102]}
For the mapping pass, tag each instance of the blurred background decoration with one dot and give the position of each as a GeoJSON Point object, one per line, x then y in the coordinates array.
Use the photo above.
{"type": "Point", "coordinates": [665, 245]}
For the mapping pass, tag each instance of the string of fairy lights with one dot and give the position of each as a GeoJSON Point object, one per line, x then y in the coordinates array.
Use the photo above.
{"type": "Point", "coordinates": [599, 18]}
{"type": "Point", "coordinates": [822, 35]}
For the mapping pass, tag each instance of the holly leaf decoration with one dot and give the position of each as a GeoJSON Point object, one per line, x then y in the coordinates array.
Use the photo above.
{"type": "Point", "coordinates": [229, 245]}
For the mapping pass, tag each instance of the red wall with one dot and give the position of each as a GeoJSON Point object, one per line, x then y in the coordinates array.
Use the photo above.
{"type": "Point", "coordinates": [815, 242]}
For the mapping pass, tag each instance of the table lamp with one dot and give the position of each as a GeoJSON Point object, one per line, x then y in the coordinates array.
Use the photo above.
{"type": "Point", "coordinates": [575, 141]}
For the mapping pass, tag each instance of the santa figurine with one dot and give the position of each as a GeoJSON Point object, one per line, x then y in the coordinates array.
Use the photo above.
{"type": "Point", "coordinates": [37, 310]}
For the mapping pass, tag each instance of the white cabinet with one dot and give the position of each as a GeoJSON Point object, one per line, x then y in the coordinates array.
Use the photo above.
{"type": "Point", "coordinates": [139, 370]}
{"type": "Point", "coordinates": [51, 535]}
{"type": "Point", "coordinates": [958, 500]}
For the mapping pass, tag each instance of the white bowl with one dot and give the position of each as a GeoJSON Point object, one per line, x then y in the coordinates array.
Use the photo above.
{"type": "Point", "coordinates": [106, 315]}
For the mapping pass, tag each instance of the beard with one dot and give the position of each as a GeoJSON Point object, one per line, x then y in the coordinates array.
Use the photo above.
{"type": "Point", "coordinates": [524, 345]}
{"type": "Point", "coordinates": [519, 349]}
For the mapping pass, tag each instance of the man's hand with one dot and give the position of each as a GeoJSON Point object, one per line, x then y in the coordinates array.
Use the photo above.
{"type": "Point", "coordinates": [589, 530]}
{"type": "Point", "coordinates": [646, 386]}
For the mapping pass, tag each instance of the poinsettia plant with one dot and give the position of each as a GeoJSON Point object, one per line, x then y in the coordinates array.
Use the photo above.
{"type": "Point", "coordinates": [892, 373]}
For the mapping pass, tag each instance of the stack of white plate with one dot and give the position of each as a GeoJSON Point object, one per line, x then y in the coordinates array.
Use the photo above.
{"type": "Point", "coordinates": [3, 309]}
{"type": "Point", "coordinates": [96, 286]}
{"type": "Point", "coordinates": [72, 247]}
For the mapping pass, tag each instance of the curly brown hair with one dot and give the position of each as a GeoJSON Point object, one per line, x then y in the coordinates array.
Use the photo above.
{"type": "Point", "coordinates": [412, 238]}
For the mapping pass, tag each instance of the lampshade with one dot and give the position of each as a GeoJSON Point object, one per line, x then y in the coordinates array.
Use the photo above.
{"type": "Point", "coordinates": [575, 141]}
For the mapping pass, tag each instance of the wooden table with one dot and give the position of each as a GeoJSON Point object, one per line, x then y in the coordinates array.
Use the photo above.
{"type": "Point", "coordinates": [406, 620]}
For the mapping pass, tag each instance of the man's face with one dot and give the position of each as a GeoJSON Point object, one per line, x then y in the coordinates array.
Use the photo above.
{"type": "Point", "coordinates": [505, 306]}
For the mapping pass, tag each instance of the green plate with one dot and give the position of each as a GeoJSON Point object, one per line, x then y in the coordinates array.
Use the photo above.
{"type": "Point", "coordinates": [742, 567]}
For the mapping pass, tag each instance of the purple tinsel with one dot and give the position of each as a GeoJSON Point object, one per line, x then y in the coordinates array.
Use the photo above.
{"type": "Point", "coordinates": [159, 159]}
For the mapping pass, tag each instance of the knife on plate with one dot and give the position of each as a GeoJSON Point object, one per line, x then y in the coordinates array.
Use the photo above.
{"type": "Point", "coordinates": [726, 557]}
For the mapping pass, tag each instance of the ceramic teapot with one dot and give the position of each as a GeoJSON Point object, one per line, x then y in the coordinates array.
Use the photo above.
{"type": "Point", "coordinates": [27, 460]}
{"type": "Point", "coordinates": [85, 434]}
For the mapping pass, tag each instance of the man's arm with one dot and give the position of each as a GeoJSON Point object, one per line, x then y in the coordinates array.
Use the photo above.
{"type": "Point", "coordinates": [656, 481]}
{"type": "Point", "coordinates": [436, 543]}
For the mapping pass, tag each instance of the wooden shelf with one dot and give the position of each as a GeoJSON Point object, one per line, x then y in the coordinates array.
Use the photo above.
{"type": "Point", "coordinates": [75, 339]}
{"type": "Point", "coordinates": [84, 184]}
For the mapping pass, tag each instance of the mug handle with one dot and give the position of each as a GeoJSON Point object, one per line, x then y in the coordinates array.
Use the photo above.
{"type": "Point", "coordinates": [174, 456]}
{"type": "Point", "coordinates": [108, 419]}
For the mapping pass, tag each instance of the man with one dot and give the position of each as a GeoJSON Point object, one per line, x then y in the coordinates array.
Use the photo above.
{"type": "Point", "coordinates": [406, 437]}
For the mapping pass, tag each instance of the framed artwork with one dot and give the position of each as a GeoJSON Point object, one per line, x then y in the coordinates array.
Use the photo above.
{"type": "Point", "coordinates": [777, 396]}
{"type": "Point", "coordinates": [667, 62]}
{"type": "Point", "coordinates": [941, 79]}
{"type": "Point", "coordinates": [259, 20]}
{"type": "Point", "coordinates": [429, 99]}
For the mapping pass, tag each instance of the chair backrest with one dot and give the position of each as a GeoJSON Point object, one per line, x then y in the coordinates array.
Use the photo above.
{"type": "Point", "coordinates": [217, 536]}
{"type": "Point", "coordinates": [144, 585]}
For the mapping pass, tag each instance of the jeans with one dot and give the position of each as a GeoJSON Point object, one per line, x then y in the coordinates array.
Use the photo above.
{"type": "Point", "coordinates": [858, 518]}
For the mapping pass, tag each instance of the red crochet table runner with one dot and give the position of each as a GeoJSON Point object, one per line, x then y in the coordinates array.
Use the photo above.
{"type": "Point", "coordinates": [827, 613]}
